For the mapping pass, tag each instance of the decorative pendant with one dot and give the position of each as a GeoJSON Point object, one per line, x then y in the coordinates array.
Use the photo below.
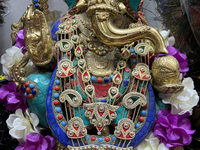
{"type": "Point", "coordinates": [117, 79]}
{"type": "Point", "coordinates": [113, 92]}
{"type": "Point", "coordinates": [125, 129]}
{"type": "Point", "coordinates": [100, 114]}
{"type": "Point", "coordinates": [65, 68]}
{"type": "Point", "coordinates": [79, 51]}
{"type": "Point", "coordinates": [86, 76]}
{"type": "Point", "coordinates": [72, 97]}
{"type": "Point", "coordinates": [64, 45]}
{"type": "Point", "coordinates": [141, 72]}
{"type": "Point", "coordinates": [90, 91]}
{"type": "Point", "coordinates": [133, 99]}
{"type": "Point", "coordinates": [76, 128]}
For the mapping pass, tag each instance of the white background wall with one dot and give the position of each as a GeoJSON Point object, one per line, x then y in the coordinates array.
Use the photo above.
{"type": "Point", "coordinates": [18, 7]}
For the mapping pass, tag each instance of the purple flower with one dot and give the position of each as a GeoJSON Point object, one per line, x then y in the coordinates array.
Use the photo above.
{"type": "Point", "coordinates": [11, 98]}
{"type": "Point", "coordinates": [173, 130]}
{"type": "Point", "coordinates": [34, 141]}
{"type": "Point", "coordinates": [182, 59]}
{"type": "Point", "coordinates": [20, 40]}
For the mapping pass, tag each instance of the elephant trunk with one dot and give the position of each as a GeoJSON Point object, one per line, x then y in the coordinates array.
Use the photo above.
{"type": "Point", "coordinates": [109, 34]}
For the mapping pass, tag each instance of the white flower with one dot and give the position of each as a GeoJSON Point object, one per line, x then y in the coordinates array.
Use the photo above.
{"type": "Point", "coordinates": [152, 143]}
{"type": "Point", "coordinates": [20, 125]}
{"type": "Point", "coordinates": [182, 101]}
{"type": "Point", "coordinates": [13, 56]}
{"type": "Point", "coordinates": [169, 41]}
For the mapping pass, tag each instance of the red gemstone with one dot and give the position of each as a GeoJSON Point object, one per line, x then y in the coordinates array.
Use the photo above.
{"type": "Point", "coordinates": [74, 82]}
{"type": "Point", "coordinates": [93, 138]}
{"type": "Point", "coordinates": [56, 102]}
{"type": "Point", "coordinates": [30, 96]}
{"type": "Point", "coordinates": [141, 119]}
{"type": "Point", "coordinates": [129, 117]}
{"type": "Point", "coordinates": [118, 95]}
{"type": "Point", "coordinates": [145, 106]}
{"type": "Point", "coordinates": [119, 104]}
{"type": "Point", "coordinates": [133, 56]}
{"type": "Point", "coordinates": [57, 88]}
{"type": "Point", "coordinates": [74, 8]}
{"type": "Point", "coordinates": [27, 90]}
{"type": "Point", "coordinates": [68, 53]}
{"type": "Point", "coordinates": [107, 139]}
{"type": "Point", "coordinates": [127, 69]}
{"type": "Point", "coordinates": [26, 84]}
{"type": "Point", "coordinates": [60, 116]}
{"type": "Point", "coordinates": [99, 80]}
{"type": "Point", "coordinates": [135, 87]}
{"type": "Point", "coordinates": [85, 48]}
{"type": "Point", "coordinates": [66, 128]}
{"type": "Point", "coordinates": [126, 3]}
{"type": "Point", "coordinates": [143, 90]}
{"type": "Point", "coordinates": [73, 17]}
{"type": "Point", "coordinates": [134, 66]}
{"type": "Point", "coordinates": [88, 127]}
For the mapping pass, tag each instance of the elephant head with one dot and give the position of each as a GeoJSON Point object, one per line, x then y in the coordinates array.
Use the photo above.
{"type": "Point", "coordinates": [102, 14]}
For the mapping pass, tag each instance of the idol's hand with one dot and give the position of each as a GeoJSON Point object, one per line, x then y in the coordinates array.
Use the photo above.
{"type": "Point", "coordinates": [37, 37]}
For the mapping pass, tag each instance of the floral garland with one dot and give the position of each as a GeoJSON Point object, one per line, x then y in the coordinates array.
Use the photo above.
{"type": "Point", "coordinates": [172, 128]}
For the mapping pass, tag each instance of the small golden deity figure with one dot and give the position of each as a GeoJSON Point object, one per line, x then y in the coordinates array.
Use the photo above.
{"type": "Point", "coordinates": [99, 95]}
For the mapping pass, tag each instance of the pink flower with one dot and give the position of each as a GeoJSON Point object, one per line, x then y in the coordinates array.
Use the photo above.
{"type": "Point", "coordinates": [20, 40]}
{"type": "Point", "coordinates": [173, 130]}
{"type": "Point", "coordinates": [34, 141]}
{"type": "Point", "coordinates": [11, 98]}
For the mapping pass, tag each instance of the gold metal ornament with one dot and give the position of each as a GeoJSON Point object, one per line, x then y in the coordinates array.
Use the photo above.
{"type": "Point", "coordinates": [166, 74]}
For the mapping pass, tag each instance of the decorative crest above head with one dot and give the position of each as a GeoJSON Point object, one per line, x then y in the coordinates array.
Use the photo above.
{"type": "Point", "coordinates": [131, 5]}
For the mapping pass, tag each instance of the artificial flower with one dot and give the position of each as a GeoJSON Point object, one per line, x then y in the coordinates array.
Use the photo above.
{"type": "Point", "coordinates": [173, 130]}
{"type": "Point", "coordinates": [11, 98]}
{"type": "Point", "coordinates": [169, 41]}
{"type": "Point", "coordinates": [183, 101]}
{"type": "Point", "coordinates": [35, 141]}
{"type": "Point", "coordinates": [182, 59]}
{"type": "Point", "coordinates": [20, 125]}
{"type": "Point", "coordinates": [14, 56]}
{"type": "Point", "coordinates": [151, 143]}
{"type": "Point", "coordinates": [20, 40]}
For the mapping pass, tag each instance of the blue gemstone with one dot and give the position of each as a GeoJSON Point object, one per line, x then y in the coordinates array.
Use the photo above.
{"type": "Point", "coordinates": [137, 125]}
{"type": "Point", "coordinates": [125, 83]}
{"type": "Point", "coordinates": [134, 61]}
{"type": "Point", "coordinates": [72, 77]}
{"type": "Point", "coordinates": [25, 94]}
{"type": "Point", "coordinates": [143, 112]}
{"type": "Point", "coordinates": [35, 1]}
{"type": "Point", "coordinates": [58, 110]}
{"type": "Point", "coordinates": [115, 66]}
{"type": "Point", "coordinates": [56, 95]}
{"type": "Point", "coordinates": [140, 84]}
{"type": "Point", "coordinates": [100, 139]}
{"type": "Point", "coordinates": [132, 51]}
{"type": "Point", "coordinates": [106, 79]}
{"type": "Point", "coordinates": [116, 62]}
{"type": "Point", "coordinates": [88, 137]}
{"type": "Point", "coordinates": [31, 85]}
{"type": "Point", "coordinates": [93, 78]}
{"type": "Point", "coordinates": [111, 76]}
{"type": "Point", "coordinates": [103, 100]}
{"type": "Point", "coordinates": [63, 123]}
{"type": "Point", "coordinates": [57, 82]}
{"type": "Point", "coordinates": [23, 88]}
{"type": "Point", "coordinates": [36, 5]}
{"type": "Point", "coordinates": [113, 138]}
{"type": "Point", "coordinates": [34, 92]}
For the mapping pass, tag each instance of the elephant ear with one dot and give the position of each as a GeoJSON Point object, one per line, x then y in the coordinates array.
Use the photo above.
{"type": "Point", "coordinates": [70, 3]}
